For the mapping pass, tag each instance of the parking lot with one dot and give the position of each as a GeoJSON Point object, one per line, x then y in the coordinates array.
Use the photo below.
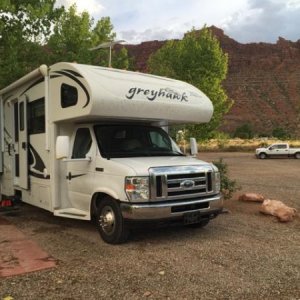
{"type": "Point", "coordinates": [239, 255]}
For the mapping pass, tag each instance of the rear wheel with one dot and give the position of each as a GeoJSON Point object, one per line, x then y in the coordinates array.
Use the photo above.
{"type": "Point", "coordinates": [110, 222]}
{"type": "Point", "coordinates": [262, 155]}
{"type": "Point", "coordinates": [297, 155]}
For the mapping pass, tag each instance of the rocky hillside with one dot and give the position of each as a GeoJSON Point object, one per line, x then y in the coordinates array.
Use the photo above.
{"type": "Point", "coordinates": [263, 80]}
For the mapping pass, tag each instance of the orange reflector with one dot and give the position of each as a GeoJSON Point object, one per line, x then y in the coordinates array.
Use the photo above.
{"type": "Point", "coordinates": [130, 187]}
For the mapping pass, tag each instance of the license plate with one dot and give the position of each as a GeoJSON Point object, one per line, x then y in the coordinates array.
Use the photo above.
{"type": "Point", "coordinates": [192, 218]}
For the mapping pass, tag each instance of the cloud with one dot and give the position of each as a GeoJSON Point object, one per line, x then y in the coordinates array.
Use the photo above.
{"type": "Point", "coordinates": [244, 20]}
{"type": "Point", "coordinates": [150, 34]}
{"type": "Point", "coordinates": [93, 7]}
{"type": "Point", "coordinates": [265, 21]}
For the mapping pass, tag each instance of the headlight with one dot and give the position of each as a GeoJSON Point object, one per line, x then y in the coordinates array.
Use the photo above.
{"type": "Point", "coordinates": [217, 182]}
{"type": "Point", "coordinates": [137, 188]}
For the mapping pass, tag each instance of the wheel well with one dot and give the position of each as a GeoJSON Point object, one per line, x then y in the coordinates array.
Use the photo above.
{"type": "Point", "coordinates": [97, 197]}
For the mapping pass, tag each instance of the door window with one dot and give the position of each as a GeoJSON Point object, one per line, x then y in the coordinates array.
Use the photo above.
{"type": "Point", "coordinates": [82, 143]}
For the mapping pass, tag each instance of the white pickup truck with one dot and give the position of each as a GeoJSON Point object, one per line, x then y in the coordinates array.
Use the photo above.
{"type": "Point", "coordinates": [277, 150]}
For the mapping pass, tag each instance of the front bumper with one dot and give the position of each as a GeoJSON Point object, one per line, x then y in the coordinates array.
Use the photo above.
{"type": "Point", "coordinates": [173, 209]}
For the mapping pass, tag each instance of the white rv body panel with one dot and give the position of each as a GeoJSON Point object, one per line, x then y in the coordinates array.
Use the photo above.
{"type": "Point", "coordinates": [116, 94]}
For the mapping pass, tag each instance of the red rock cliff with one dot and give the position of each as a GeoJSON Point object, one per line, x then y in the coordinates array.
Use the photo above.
{"type": "Point", "coordinates": [263, 80]}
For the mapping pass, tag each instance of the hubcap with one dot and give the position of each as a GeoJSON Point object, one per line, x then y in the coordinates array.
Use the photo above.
{"type": "Point", "coordinates": [107, 220]}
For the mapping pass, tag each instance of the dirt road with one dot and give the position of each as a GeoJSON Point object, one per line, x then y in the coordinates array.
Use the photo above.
{"type": "Point", "coordinates": [241, 255]}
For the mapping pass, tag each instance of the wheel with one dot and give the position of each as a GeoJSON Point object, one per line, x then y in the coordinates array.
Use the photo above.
{"type": "Point", "coordinates": [262, 155]}
{"type": "Point", "coordinates": [201, 224]}
{"type": "Point", "coordinates": [110, 222]}
{"type": "Point", "coordinates": [297, 155]}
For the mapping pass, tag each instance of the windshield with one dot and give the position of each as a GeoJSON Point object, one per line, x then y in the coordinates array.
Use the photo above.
{"type": "Point", "coordinates": [134, 141]}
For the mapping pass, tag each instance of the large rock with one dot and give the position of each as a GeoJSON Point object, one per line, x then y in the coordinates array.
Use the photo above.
{"type": "Point", "coordinates": [278, 209]}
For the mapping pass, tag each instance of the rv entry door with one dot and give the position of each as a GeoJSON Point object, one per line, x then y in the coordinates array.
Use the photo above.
{"type": "Point", "coordinates": [23, 143]}
{"type": "Point", "coordinates": [80, 172]}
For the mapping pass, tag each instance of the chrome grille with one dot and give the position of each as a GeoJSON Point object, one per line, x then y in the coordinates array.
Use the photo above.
{"type": "Point", "coordinates": [182, 182]}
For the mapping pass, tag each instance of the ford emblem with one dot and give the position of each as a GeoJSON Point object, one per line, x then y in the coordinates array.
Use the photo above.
{"type": "Point", "coordinates": [187, 184]}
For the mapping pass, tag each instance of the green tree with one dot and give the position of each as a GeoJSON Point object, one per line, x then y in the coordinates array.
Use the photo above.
{"type": "Point", "coordinates": [103, 31]}
{"type": "Point", "coordinates": [72, 37]}
{"type": "Point", "coordinates": [280, 133]}
{"type": "Point", "coordinates": [244, 131]}
{"type": "Point", "coordinates": [24, 26]}
{"type": "Point", "coordinates": [120, 59]}
{"type": "Point", "coordinates": [198, 60]}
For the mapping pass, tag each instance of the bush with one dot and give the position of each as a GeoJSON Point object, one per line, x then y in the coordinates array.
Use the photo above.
{"type": "Point", "coordinates": [228, 186]}
{"type": "Point", "coordinates": [280, 133]}
{"type": "Point", "coordinates": [244, 132]}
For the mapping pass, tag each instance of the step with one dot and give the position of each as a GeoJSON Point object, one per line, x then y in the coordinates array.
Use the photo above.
{"type": "Point", "coordinates": [72, 213]}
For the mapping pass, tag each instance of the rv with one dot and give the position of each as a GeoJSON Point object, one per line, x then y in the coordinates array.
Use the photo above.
{"type": "Point", "coordinates": [91, 143]}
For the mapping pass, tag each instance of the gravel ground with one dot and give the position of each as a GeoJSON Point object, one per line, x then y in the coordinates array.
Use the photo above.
{"type": "Point", "coordinates": [240, 255]}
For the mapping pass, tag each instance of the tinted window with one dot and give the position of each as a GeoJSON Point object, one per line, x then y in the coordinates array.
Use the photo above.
{"type": "Point", "coordinates": [68, 95]}
{"type": "Point", "coordinates": [82, 143]}
{"type": "Point", "coordinates": [37, 116]}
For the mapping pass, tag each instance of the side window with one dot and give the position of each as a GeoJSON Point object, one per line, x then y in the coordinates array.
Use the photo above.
{"type": "Point", "coordinates": [68, 95]}
{"type": "Point", "coordinates": [82, 143]}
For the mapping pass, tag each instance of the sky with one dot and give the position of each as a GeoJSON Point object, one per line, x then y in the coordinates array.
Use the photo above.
{"type": "Point", "coordinates": [246, 21]}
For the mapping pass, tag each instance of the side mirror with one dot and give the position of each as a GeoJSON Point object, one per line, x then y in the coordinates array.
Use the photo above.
{"type": "Point", "coordinates": [194, 146]}
{"type": "Point", "coordinates": [271, 148]}
{"type": "Point", "coordinates": [62, 147]}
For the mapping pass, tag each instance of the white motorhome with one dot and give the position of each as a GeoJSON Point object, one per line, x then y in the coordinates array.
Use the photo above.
{"type": "Point", "coordinates": [88, 142]}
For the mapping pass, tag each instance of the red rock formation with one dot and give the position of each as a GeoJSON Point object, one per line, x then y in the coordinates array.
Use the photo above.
{"type": "Point", "coordinates": [263, 80]}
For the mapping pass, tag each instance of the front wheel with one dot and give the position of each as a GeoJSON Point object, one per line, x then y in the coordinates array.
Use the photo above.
{"type": "Point", "coordinates": [262, 155]}
{"type": "Point", "coordinates": [110, 222]}
{"type": "Point", "coordinates": [297, 155]}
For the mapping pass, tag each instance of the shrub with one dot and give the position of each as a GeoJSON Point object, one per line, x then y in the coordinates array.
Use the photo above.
{"type": "Point", "coordinates": [244, 132]}
{"type": "Point", "coordinates": [280, 133]}
{"type": "Point", "coordinates": [228, 186]}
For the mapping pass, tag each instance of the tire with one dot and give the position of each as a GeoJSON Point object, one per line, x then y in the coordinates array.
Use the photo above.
{"type": "Point", "coordinates": [110, 223]}
{"type": "Point", "coordinates": [262, 155]}
{"type": "Point", "coordinates": [297, 155]}
{"type": "Point", "coordinates": [201, 224]}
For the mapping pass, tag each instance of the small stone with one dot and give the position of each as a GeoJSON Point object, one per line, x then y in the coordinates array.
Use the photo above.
{"type": "Point", "coordinates": [147, 294]}
{"type": "Point", "coordinates": [161, 273]}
